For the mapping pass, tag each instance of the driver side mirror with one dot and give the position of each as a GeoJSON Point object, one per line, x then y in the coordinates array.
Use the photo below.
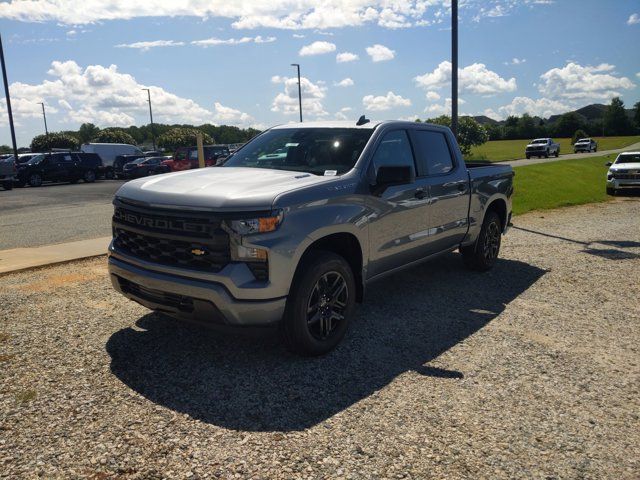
{"type": "Point", "coordinates": [608, 164]}
{"type": "Point", "coordinates": [388, 176]}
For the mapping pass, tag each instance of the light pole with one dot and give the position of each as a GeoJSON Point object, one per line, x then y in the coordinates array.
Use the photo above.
{"type": "Point", "coordinates": [153, 134]}
{"type": "Point", "coordinates": [299, 89]}
{"type": "Point", "coordinates": [44, 115]}
{"type": "Point", "coordinates": [6, 94]}
{"type": "Point", "coordinates": [454, 67]}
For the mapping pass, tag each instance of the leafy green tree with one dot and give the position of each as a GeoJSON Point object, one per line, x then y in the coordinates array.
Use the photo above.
{"type": "Point", "coordinates": [494, 131]}
{"type": "Point", "coordinates": [567, 124]}
{"type": "Point", "coordinates": [511, 128]}
{"type": "Point", "coordinates": [616, 121]}
{"type": "Point", "coordinates": [44, 143]}
{"type": "Point", "coordinates": [636, 115]}
{"type": "Point", "coordinates": [470, 132]}
{"type": "Point", "coordinates": [87, 131]}
{"type": "Point", "coordinates": [5, 149]}
{"type": "Point", "coordinates": [578, 135]}
{"type": "Point", "coordinates": [526, 126]}
{"type": "Point", "coordinates": [114, 135]}
{"type": "Point", "coordinates": [182, 137]}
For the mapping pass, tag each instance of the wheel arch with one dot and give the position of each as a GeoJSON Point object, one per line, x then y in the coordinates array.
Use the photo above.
{"type": "Point", "coordinates": [498, 205]}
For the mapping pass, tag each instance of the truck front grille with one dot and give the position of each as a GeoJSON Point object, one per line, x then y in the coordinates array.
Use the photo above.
{"type": "Point", "coordinates": [194, 242]}
{"type": "Point", "coordinates": [626, 176]}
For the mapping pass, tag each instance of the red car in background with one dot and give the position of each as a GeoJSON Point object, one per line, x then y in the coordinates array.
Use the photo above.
{"type": "Point", "coordinates": [186, 158]}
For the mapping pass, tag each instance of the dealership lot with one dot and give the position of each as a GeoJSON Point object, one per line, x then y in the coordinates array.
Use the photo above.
{"type": "Point", "coordinates": [530, 370]}
{"type": "Point", "coordinates": [56, 213]}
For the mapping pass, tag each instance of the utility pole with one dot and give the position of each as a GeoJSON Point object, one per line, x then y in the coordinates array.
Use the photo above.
{"type": "Point", "coordinates": [454, 67]}
{"type": "Point", "coordinates": [299, 89]}
{"type": "Point", "coordinates": [6, 94]}
{"type": "Point", "coordinates": [153, 134]}
{"type": "Point", "coordinates": [44, 115]}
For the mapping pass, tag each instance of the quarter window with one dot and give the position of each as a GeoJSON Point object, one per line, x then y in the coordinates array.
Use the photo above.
{"type": "Point", "coordinates": [432, 152]}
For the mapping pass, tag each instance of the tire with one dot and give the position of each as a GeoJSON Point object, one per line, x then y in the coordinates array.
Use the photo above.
{"type": "Point", "coordinates": [483, 254]}
{"type": "Point", "coordinates": [611, 191]}
{"type": "Point", "coordinates": [528, 157]}
{"type": "Point", "coordinates": [546, 154]}
{"type": "Point", "coordinates": [109, 175]}
{"type": "Point", "coordinates": [557, 153]}
{"type": "Point", "coordinates": [35, 180]}
{"type": "Point", "coordinates": [89, 176]}
{"type": "Point", "coordinates": [8, 185]}
{"type": "Point", "coordinates": [311, 332]}
{"type": "Point", "coordinates": [595, 149]}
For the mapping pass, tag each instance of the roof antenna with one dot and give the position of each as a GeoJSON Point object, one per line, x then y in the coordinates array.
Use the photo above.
{"type": "Point", "coordinates": [362, 120]}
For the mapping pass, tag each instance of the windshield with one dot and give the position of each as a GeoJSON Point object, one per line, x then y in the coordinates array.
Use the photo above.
{"type": "Point", "coordinates": [584, 140]}
{"type": "Point", "coordinates": [35, 160]}
{"type": "Point", "coordinates": [628, 158]}
{"type": "Point", "coordinates": [321, 151]}
{"type": "Point", "coordinates": [539, 141]}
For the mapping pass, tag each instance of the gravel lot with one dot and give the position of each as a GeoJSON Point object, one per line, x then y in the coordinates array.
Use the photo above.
{"type": "Point", "coordinates": [528, 371]}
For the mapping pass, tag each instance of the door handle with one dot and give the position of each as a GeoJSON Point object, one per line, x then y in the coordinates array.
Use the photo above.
{"type": "Point", "coordinates": [420, 194]}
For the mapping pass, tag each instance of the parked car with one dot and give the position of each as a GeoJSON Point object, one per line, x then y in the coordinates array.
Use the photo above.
{"type": "Point", "coordinates": [585, 145]}
{"type": "Point", "coordinates": [119, 163]}
{"type": "Point", "coordinates": [624, 172]}
{"type": "Point", "coordinates": [296, 240]}
{"type": "Point", "coordinates": [108, 153]}
{"type": "Point", "coordinates": [7, 172]}
{"type": "Point", "coordinates": [142, 167]}
{"type": "Point", "coordinates": [542, 147]}
{"type": "Point", "coordinates": [59, 167]}
{"type": "Point", "coordinates": [186, 158]}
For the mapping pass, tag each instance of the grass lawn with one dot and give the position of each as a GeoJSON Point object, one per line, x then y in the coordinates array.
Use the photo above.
{"type": "Point", "coordinates": [559, 184]}
{"type": "Point", "coordinates": [499, 150]}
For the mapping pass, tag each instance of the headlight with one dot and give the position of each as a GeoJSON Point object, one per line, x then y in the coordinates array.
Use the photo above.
{"type": "Point", "coordinates": [257, 225]}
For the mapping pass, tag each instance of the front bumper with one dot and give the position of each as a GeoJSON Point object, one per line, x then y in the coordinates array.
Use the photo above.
{"type": "Point", "coordinates": [204, 302]}
{"type": "Point", "coordinates": [619, 183]}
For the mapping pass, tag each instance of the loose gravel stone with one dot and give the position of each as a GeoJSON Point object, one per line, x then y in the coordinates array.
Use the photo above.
{"type": "Point", "coordinates": [530, 370]}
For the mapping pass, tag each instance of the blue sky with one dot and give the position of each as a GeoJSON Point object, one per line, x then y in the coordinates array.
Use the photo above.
{"type": "Point", "coordinates": [229, 62]}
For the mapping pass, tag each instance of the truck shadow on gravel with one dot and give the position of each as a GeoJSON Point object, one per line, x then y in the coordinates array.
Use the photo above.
{"type": "Point", "coordinates": [254, 384]}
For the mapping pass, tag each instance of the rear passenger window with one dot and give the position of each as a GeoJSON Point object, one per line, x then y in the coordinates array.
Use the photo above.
{"type": "Point", "coordinates": [394, 151]}
{"type": "Point", "coordinates": [432, 152]}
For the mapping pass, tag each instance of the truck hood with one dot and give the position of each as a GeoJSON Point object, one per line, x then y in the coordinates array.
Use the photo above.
{"type": "Point", "coordinates": [625, 166]}
{"type": "Point", "coordinates": [220, 188]}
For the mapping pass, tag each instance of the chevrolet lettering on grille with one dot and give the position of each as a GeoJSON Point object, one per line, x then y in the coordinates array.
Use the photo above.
{"type": "Point", "coordinates": [161, 223]}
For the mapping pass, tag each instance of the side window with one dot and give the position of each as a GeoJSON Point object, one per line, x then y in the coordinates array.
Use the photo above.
{"type": "Point", "coordinates": [67, 158]}
{"type": "Point", "coordinates": [432, 152]}
{"type": "Point", "coordinates": [394, 151]}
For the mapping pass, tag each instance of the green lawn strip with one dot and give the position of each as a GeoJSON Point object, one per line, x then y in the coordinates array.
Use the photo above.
{"type": "Point", "coordinates": [558, 184]}
{"type": "Point", "coordinates": [500, 150]}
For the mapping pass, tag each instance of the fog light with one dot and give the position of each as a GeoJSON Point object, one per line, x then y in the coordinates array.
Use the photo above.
{"type": "Point", "coordinates": [250, 253]}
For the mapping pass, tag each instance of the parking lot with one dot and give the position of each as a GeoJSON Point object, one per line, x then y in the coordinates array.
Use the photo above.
{"type": "Point", "coordinates": [528, 371]}
{"type": "Point", "coordinates": [56, 213]}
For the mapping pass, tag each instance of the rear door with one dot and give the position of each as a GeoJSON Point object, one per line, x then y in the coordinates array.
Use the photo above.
{"type": "Point", "coordinates": [399, 227]}
{"type": "Point", "coordinates": [448, 186]}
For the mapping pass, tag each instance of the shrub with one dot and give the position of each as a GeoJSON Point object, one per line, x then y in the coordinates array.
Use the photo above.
{"type": "Point", "coordinates": [44, 143]}
{"type": "Point", "coordinates": [578, 135]}
{"type": "Point", "coordinates": [182, 137]}
{"type": "Point", "coordinates": [114, 135]}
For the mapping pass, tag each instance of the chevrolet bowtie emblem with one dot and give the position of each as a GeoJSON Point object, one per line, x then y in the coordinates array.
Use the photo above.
{"type": "Point", "coordinates": [198, 252]}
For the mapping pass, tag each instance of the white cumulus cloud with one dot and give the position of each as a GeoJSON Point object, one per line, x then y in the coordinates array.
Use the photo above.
{"type": "Point", "coordinates": [317, 48]}
{"type": "Point", "coordinates": [633, 19]}
{"type": "Point", "coordinates": [380, 53]}
{"type": "Point", "coordinates": [384, 102]}
{"type": "Point", "coordinates": [145, 46]}
{"type": "Point", "coordinates": [574, 81]}
{"type": "Point", "coordinates": [344, 57]}
{"type": "Point", "coordinates": [541, 107]}
{"type": "Point", "coordinates": [213, 42]}
{"type": "Point", "coordinates": [442, 109]}
{"type": "Point", "coordinates": [475, 78]}
{"type": "Point", "coordinates": [433, 96]}
{"type": "Point", "coordinates": [313, 95]}
{"type": "Point", "coordinates": [345, 82]}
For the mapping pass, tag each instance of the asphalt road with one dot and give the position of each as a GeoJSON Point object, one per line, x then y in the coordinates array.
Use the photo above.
{"type": "Point", "coordinates": [571, 156]}
{"type": "Point", "coordinates": [56, 213]}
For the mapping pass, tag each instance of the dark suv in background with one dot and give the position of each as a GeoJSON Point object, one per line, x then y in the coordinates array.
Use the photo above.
{"type": "Point", "coordinates": [59, 167]}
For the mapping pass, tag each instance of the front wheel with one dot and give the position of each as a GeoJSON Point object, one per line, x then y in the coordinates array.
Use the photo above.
{"type": "Point", "coordinates": [528, 157]}
{"type": "Point", "coordinates": [483, 255]}
{"type": "Point", "coordinates": [557, 153]}
{"type": "Point", "coordinates": [546, 154]}
{"type": "Point", "coordinates": [89, 176]}
{"type": "Point", "coordinates": [109, 175]}
{"type": "Point", "coordinates": [320, 304]}
{"type": "Point", "coordinates": [35, 180]}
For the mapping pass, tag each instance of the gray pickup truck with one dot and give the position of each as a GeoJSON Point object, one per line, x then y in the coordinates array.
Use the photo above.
{"type": "Point", "coordinates": [294, 238]}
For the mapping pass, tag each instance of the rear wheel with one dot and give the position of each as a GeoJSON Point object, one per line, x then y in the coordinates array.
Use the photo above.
{"type": "Point", "coordinates": [528, 157]}
{"type": "Point", "coordinates": [89, 176]}
{"type": "Point", "coordinates": [320, 304]}
{"type": "Point", "coordinates": [108, 174]}
{"type": "Point", "coordinates": [546, 154]}
{"type": "Point", "coordinates": [35, 180]}
{"type": "Point", "coordinates": [8, 185]}
{"type": "Point", "coordinates": [483, 255]}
